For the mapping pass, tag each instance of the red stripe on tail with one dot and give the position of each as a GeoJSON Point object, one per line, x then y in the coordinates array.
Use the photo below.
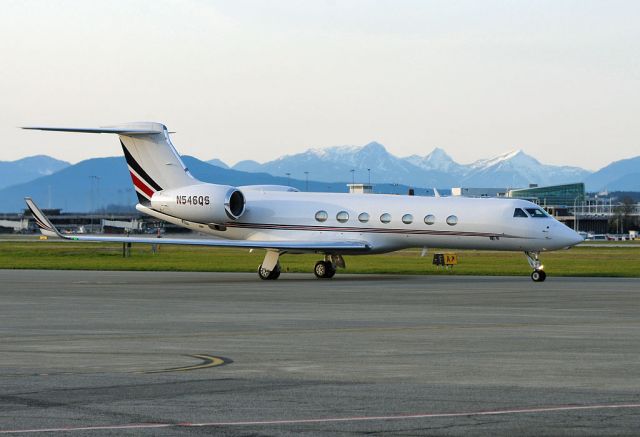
{"type": "Point", "coordinates": [141, 185]}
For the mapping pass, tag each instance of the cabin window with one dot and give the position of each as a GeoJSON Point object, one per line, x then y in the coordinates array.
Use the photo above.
{"type": "Point", "coordinates": [322, 216]}
{"type": "Point", "coordinates": [519, 213]}
{"type": "Point", "coordinates": [429, 219]}
{"type": "Point", "coordinates": [536, 213]}
{"type": "Point", "coordinates": [363, 217]}
{"type": "Point", "coordinates": [342, 216]}
{"type": "Point", "coordinates": [407, 219]}
{"type": "Point", "coordinates": [452, 220]}
{"type": "Point", "coordinates": [385, 218]}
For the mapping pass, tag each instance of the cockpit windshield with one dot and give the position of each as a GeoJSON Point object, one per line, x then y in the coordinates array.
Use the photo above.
{"type": "Point", "coordinates": [519, 213]}
{"type": "Point", "coordinates": [537, 213]}
{"type": "Point", "coordinates": [531, 212]}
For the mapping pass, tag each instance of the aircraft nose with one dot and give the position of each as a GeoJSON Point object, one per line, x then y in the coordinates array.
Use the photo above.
{"type": "Point", "coordinates": [571, 237]}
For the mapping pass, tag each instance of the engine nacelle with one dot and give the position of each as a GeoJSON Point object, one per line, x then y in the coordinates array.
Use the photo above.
{"type": "Point", "coordinates": [202, 203]}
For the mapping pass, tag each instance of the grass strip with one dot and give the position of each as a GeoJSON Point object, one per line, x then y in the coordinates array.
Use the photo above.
{"type": "Point", "coordinates": [579, 261]}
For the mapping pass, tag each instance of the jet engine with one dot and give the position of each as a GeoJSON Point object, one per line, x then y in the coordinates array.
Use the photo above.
{"type": "Point", "coordinates": [202, 203]}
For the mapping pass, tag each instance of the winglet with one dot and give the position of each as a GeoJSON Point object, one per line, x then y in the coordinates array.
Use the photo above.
{"type": "Point", "coordinates": [45, 225]}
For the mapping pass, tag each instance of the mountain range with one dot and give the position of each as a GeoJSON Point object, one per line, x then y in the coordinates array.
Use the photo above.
{"type": "Point", "coordinates": [437, 169]}
{"type": "Point", "coordinates": [97, 183]}
{"type": "Point", "coordinates": [103, 183]}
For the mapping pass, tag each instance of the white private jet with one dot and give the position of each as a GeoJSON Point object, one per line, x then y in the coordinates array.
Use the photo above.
{"type": "Point", "coordinates": [281, 219]}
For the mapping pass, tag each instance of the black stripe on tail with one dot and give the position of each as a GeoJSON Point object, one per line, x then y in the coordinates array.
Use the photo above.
{"type": "Point", "coordinates": [143, 174]}
{"type": "Point", "coordinates": [141, 199]}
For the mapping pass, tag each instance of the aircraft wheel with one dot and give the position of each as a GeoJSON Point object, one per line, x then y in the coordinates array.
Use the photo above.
{"type": "Point", "coordinates": [538, 275]}
{"type": "Point", "coordinates": [331, 271]}
{"type": "Point", "coordinates": [275, 274]}
{"type": "Point", "coordinates": [324, 270]}
{"type": "Point", "coordinates": [268, 275]}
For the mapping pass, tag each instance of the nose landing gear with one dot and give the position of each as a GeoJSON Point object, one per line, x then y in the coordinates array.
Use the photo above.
{"type": "Point", "coordinates": [538, 274]}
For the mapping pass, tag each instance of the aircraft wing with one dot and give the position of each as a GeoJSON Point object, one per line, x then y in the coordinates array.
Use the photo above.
{"type": "Point", "coordinates": [47, 228]}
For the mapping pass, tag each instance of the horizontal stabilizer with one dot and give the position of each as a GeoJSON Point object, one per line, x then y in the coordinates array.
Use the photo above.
{"type": "Point", "coordinates": [120, 130]}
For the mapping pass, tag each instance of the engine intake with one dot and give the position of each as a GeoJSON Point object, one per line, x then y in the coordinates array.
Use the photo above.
{"type": "Point", "coordinates": [234, 204]}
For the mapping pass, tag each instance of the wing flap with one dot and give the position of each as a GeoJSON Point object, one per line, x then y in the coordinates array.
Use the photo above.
{"type": "Point", "coordinates": [249, 244]}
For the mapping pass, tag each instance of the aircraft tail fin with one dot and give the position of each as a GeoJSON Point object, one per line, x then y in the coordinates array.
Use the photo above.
{"type": "Point", "coordinates": [154, 163]}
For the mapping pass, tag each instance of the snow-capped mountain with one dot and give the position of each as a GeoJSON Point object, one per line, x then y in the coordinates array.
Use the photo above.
{"type": "Point", "coordinates": [438, 160]}
{"type": "Point", "coordinates": [335, 164]}
{"type": "Point", "coordinates": [436, 169]}
{"type": "Point", "coordinates": [517, 169]}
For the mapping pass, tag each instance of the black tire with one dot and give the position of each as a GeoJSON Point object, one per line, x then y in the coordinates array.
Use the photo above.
{"type": "Point", "coordinates": [269, 275]}
{"type": "Point", "coordinates": [320, 270]}
{"type": "Point", "coordinates": [331, 271]}
{"type": "Point", "coordinates": [324, 270]}
{"type": "Point", "coordinates": [263, 274]}
{"type": "Point", "coordinates": [275, 274]}
{"type": "Point", "coordinates": [543, 276]}
{"type": "Point", "coordinates": [538, 276]}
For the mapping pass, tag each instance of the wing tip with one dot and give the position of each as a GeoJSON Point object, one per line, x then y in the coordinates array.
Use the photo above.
{"type": "Point", "coordinates": [44, 224]}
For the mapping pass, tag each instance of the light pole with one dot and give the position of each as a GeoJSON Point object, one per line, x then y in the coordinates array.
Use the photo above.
{"type": "Point", "coordinates": [306, 174]}
{"type": "Point", "coordinates": [353, 176]}
{"type": "Point", "coordinates": [97, 191]}
{"type": "Point", "coordinates": [575, 214]}
{"type": "Point", "coordinates": [369, 175]}
{"type": "Point", "coordinates": [288, 178]}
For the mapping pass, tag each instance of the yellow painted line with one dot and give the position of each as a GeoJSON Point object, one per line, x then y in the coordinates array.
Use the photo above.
{"type": "Point", "coordinates": [208, 361]}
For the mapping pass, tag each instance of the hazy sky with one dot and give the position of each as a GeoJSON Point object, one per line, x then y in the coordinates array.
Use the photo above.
{"type": "Point", "coordinates": [257, 79]}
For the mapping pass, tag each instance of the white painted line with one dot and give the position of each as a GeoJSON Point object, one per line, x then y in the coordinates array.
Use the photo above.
{"type": "Point", "coordinates": [421, 416]}
{"type": "Point", "coordinates": [89, 428]}
{"type": "Point", "coordinates": [550, 409]}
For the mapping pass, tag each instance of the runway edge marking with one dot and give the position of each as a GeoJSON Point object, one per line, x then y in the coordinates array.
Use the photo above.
{"type": "Point", "coordinates": [550, 409]}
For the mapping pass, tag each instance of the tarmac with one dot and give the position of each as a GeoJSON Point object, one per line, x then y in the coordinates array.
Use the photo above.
{"type": "Point", "coordinates": [175, 353]}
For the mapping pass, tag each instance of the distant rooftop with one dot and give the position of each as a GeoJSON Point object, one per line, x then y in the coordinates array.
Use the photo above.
{"type": "Point", "coordinates": [360, 188]}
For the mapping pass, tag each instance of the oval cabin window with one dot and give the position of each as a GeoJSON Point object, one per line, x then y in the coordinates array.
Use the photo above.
{"type": "Point", "coordinates": [322, 216]}
{"type": "Point", "coordinates": [429, 219]}
{"type": "Point", "coordinates": [342, 216]}
{"type": "Point", "coordinates": [385, 218]}
{"type": "Point", "coordinates": [407, 219]}
{"type": "Point", "coordinates": [452, 220]}
{"type": "Point", "coordinates": [363, 217]}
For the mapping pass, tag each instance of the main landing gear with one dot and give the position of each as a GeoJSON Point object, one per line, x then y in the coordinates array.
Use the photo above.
{"type": "Point", "coordinates": [270, 267]}
{"type": "Point", "coordinates": [269, 274]}
{"type": "Point", "coordinates": [326, 269]}
{"type": "Point", "coordinates": [538, 274]}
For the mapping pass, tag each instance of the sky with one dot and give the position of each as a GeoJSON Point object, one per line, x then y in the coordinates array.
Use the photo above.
{"type": "Point", "coordinates": [248, 79]}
